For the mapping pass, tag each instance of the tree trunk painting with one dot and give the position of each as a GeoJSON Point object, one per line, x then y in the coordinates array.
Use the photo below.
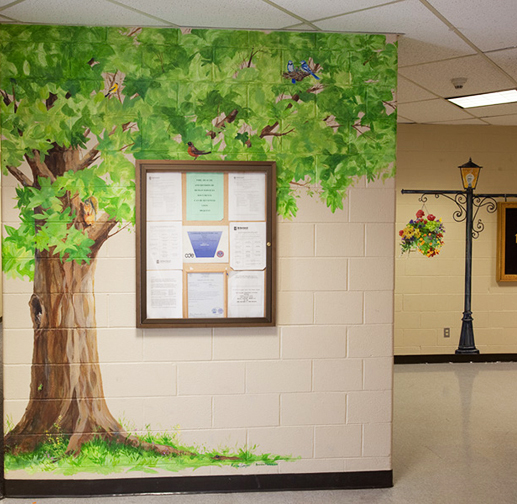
{"type": "Point", "coordinates": [66, 394]}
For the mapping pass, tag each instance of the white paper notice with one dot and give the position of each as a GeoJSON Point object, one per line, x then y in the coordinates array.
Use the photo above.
{"type": "Point", "coordinates": [205, 295]}
{"type": "Point", "coordinates": [246, 294]}
{"type": "Point", "coordinates": [164, 202]}
{"type": "Point", "coordinates": [164, 294]}
{"type": "Point", "coordinates": [248, 245]}
{"type": "Point", "coordinates": [164, 245]}
{"type": "Point", "coordinates": [247, 196]}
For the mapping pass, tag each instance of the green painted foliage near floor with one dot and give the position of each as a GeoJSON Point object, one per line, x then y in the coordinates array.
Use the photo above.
{"type": "Point", "coordinates": [101, 457]}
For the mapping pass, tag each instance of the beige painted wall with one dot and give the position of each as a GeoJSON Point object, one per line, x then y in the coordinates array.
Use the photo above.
{"type": "Point", "coordinates": [317, 386]}
{"type": "Point", "coordinates": [429, 293]}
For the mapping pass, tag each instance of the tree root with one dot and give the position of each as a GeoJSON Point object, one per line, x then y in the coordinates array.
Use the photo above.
{"type": "Point", "coordinates": [76, 442]}
{"type": "Point", "coordinates": [158, 448]}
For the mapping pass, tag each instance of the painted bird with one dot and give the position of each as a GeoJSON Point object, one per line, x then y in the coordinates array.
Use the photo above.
{"type": "Point", "coordinates": [90, 208]}
{"type": "Point", "coordinates": [195, 153]}
{"type": "Point", "coordinates": [112, 90]}
{"type": "Point", "coordinates": [307, 68]}
{"type": "Point", "coordinates": [290, 68]}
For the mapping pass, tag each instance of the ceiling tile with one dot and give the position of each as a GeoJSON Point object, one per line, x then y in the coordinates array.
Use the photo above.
{"type": "Point", "coordinates": [242, 14]}
{"type": "Point", "coordinates": [409, 17]}
{"type": "Point", "coordinates": [488, 24]}
{"type": "Point", "coordinates": [431, 111]}
{"type": "Point", "coordinates": [494, 110]}
{"type": "Point", "coordinates": [404, 120]}
{"type": "Point", "coordinates": [482, 77]}
{"type": "Point", "coordinates": [300, 27]}
{"type": "Point", "coordinates": [414, 52]}
{"type": "Point", "coordinates": [325, 8]}
{"type": "Point", "coordinates": [506, 120]}
{"type": "Point", "coordinates": [92, 12]}
{"type": "Point", "coordinates": [507, 60]}
{"type": "Point", "coordinates": [409, 92]}
{"type": "Point", "coordinates": [459, 122]}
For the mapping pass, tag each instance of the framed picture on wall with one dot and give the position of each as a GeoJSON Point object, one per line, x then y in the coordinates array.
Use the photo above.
{"type": "Point", "coordinates": [507, 242]}
{"type": "Point", "coordinates": [205, 243]}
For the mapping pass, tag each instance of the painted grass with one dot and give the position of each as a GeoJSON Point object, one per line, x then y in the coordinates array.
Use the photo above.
{"type": "Point", "coordinates": [102, 457]}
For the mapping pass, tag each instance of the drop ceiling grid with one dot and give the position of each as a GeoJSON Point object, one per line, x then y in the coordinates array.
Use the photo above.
{"type": "Point", "coordinates": [506, 120]}
{"type": "Point", "coordinates": [410, 18]}
{"type": "Point", "coordinates": [507, 60]}
{"type": "Point", "coordinates": [323, 9]}
{"type": "Point", "coordinates": [3, 3]}
{"type": "Point", "coordinates": [436, 76]}
{"type": "Point", "coordinates": [494, 110]}
{"type": "Point", "coordinates": [244, 14]}
{"type": "Point", "coordinates": [91, 12]}
{"type": "Point", "coordinates": [408, 91]}
{"type": "Point", "coordinates": [416, 52]}
{"type": "Point", "coordinates": [471, 121]}
{"type": "Point", "coordinates": [427, 111]}
{"type": "Point", "coordinates": [488, 24]}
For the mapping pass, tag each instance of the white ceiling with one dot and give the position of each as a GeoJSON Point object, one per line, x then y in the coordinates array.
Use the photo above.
{"type": "Point", "coordinates": [440, 39]}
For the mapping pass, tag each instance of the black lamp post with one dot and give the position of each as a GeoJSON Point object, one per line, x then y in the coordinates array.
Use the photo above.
{"type": "Point", "coordinates": [469, 175]}
{"type": "Point", "coordinates": [468, 205]}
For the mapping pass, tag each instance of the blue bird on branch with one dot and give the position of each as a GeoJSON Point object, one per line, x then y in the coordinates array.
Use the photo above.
{"type": "Point", "coordinates": [307, 68]}
{"type": "Point", "coordinates": [290, 68]}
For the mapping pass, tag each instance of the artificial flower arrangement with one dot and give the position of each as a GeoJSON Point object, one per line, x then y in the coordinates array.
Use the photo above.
{"type": "Point", "coordinates": [424, 235]}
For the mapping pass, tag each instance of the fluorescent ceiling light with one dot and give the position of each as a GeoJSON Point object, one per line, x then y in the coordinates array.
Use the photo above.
{"type": "Point", "coordinates": [482, 100]}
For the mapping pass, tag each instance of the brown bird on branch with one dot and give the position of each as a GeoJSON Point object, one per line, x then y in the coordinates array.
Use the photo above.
{"type": "Point", "coordinates": [195, 153]}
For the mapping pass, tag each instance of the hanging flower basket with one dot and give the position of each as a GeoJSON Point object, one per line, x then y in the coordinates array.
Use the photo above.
{"type": "Point", "coordinates": [424, 235]}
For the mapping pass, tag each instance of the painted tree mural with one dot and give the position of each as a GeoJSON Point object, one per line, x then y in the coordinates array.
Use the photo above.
{"type": "Point", "coordinates": [78, 104]}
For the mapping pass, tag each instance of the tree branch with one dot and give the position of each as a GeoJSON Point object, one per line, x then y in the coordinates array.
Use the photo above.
{"type": "Point", "coordinates": [118, 231]}
{"type": "Point", "coordinates": [39, 168]}
{"type": "Point", "coordinates": [99, 231]}
{"type": "Point", "coordinates": [269, 131]}
{"type": "Point", "coordinates": [5, 96]}
{"type": "Point", "coordinates": [14, 100]}
{"type": "Point", "coordinates": [49, 103]}
{"type": "Point", "coordinates": [253, 53]}
{"type": "Point", "coordinates": [92, 155]}
{"type": "Point", "coordinates": [220, 124]}
{"type": "Point", "coordinates": [389, 104]}
{"type": "Point", "coordinates": [19, 176]}
{"type": "Point", "coordinates": [126, 146]}
{"type": "Point", "coordinates": [87, 160]}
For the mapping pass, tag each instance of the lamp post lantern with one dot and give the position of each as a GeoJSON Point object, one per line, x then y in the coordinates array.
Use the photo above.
{"type": "Point", "coordinates": [468, 205]}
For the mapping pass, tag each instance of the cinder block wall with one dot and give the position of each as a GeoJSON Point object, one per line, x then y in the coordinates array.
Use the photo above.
{"type": "Point", "coordinates": [429, 293]}
{"type": "Point", "coordinates": [317, 387]}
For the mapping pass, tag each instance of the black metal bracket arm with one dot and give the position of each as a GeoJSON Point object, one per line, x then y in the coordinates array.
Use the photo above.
{"type": "Point", "coordinates": [486, 201]}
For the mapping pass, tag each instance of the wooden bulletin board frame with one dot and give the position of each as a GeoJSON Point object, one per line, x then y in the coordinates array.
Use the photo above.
{"type": "Point", "coordinates": [155, 180]}
{"type": "Point", "coordinates": [507, 242]}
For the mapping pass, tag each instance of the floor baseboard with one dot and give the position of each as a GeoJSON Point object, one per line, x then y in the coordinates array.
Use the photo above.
{"type": "Point", "coordinates": [199, 484]}
{"type": "Point", "coordinates": [441, 359]}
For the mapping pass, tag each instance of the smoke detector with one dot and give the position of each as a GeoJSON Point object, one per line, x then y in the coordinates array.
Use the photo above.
{"type": "Point", "coordinates": [458, 82]}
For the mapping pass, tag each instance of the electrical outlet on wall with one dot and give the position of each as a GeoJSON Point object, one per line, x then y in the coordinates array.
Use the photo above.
{"type": "Point", "coordinates": [446, 332]}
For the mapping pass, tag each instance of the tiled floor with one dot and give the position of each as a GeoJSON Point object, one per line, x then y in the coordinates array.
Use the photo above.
{"type": "Point", "coordinates": [455, 442]}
